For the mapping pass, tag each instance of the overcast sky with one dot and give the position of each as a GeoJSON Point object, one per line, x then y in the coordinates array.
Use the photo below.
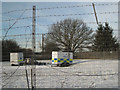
{"type": "Point", "coordinates": [10, 6]}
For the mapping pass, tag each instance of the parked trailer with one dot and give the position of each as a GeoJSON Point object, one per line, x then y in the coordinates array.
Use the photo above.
{"type": "Point", "coordinates": [16, 58]}
{"type": "Point", "coordinates": [62, 58]}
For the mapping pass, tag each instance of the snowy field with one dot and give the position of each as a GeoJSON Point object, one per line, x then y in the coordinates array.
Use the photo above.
{"type": "Point", "coordinates": [82, 74]}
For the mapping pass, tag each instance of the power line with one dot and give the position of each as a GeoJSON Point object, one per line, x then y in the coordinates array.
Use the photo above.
{"type": "Point", "coordinates": [59, 15]}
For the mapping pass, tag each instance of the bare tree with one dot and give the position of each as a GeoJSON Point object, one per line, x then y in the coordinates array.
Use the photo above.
{"type": "Point", "coordinates": [70, 34]}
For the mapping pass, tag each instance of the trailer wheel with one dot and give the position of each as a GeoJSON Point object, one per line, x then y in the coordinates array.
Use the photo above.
{"type": "Point", "coordinates": [12, 64]}
{"type": "Point", "coordinates": [21, 64]}
{"type": "Point", "coordinates": [58, 65]}
{"type": "Point", "coordinates": [64, 64]}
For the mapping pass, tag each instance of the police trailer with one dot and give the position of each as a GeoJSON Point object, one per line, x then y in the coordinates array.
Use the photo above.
{"type": "Point", "coordinates": [16, 58]}
{"type": "Point", "coordinates": [60, 58]}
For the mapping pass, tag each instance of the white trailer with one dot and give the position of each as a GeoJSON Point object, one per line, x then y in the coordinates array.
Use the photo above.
{"type": "Point", "coordinates": [16, 58]}
{"type": "Point", "coordinates": [59, 57]}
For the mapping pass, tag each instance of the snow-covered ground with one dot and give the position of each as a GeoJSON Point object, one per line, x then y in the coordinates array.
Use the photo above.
{"type": "Point", "coordinates": [82, 74]}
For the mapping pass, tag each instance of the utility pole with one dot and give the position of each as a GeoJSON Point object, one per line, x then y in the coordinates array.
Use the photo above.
{"type": "Point", "coordinates": [95, 13]}
{"type": "Point", "coordinates": [33, 69]}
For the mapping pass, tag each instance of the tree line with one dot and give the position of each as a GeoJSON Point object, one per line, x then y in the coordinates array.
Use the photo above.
{"type": "Point", "coordinates": [71, 35]}
{"type": "Point", "coordinates": [74, 35]}
{"type": "Point", "coordinates": [9, 46]}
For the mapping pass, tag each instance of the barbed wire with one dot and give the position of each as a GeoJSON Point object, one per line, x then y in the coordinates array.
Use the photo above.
{"type": "Point", "coordinates": [47, 25]}
{"type": "Point", "coordinates": [75, 74]}
{"type": "Point", "coordinates": [67, 74]}
{"type": "Point", "coordinates": [27, 39]}
{"type": "Point", "coordinates": [17, 27]}
{"type": "Point", "coordinates": [48, 33]}
{"type": "Point", "coordinates": [87, 5]}
{"type": "Point", "coordinates": [59, 15]}
{"type": "Point", "coordinates": [13, 25]}
{"type": "Point", "coordinates": [18, 35]}
{"type": "Point", "coordinates": [26, 34]}
{"type": "Point", "coordinates": [72, 74]}
{"type": "Point", "coordinates": [16, 11]}
{"type": "Point", "coordinates": [9, 77]}
{"type": "Point", "coordinates": [73, 6]}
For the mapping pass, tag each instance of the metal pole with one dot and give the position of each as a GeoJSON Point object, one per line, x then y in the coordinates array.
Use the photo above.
{"type": "Point", "coordinates": [33, 70]}
{"type": "Point", "coordinates": [95, 13]}
{"type": "Point", "coordinates": [42, 42]}
{"type": "Point", "coordinates": [43, 46]}
{"type": "Point", "coordinates": [27, 79]}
